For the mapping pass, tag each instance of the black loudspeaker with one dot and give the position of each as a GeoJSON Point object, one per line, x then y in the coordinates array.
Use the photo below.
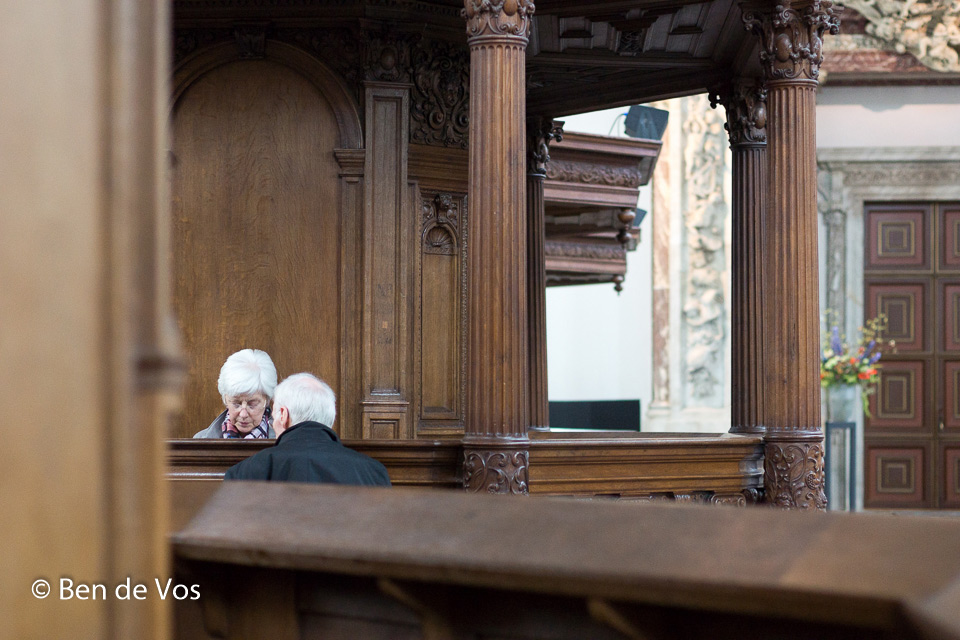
{"type": "Point", "coordinates": [646, 122]}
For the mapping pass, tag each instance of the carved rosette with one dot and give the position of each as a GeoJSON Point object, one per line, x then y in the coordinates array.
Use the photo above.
{"type": "Point", "coordinates": [746, 107]}
{"type": "Point", "coordinates": [792, 38]}
{"type": "Point", "coordinates": [793, 475]}
{"type": "Point", "coordinates": [540, 133]}
{"type": "Point", "coordinates": [500, 470]}
{"type": "Point", "coordinates": [498, 18]}
{"type": "Point", "coordinates": [387, 59]}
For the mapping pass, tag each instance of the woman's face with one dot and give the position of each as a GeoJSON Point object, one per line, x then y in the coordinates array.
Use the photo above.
{"type": "Point", "coordinates": [245, 410]}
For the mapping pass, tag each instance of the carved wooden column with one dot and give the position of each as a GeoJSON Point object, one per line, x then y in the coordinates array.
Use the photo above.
{"type": "Point", "coordinates": [540, 132]}
{"type": "Point", "coordinates": [495, 444]}
{"type": "Point", "coordinates": [746, 107]}
{"type": "Point", "coordinates": [790, 54]}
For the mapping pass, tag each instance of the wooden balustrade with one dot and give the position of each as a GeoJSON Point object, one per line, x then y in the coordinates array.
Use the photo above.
{"type": "Point", "coordinates": [300, 561]}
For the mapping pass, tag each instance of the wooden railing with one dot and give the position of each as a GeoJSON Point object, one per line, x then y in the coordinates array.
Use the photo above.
{"type": "Point", "coordinates": [638, 466]}
{"type": "Point", "coordinates": [303, 561]}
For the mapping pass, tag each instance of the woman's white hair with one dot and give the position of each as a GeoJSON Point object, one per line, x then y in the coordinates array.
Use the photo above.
{"type": "Point", "coordinates": [307, 397]}
{"type": "Point", "coordinates": [248, 371]}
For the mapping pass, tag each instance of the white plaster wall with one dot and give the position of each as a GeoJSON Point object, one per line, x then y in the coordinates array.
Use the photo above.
{"type": "Point", "coordinates": [888, 116]}
{"type": "Point", "coordinates": [598, 342]}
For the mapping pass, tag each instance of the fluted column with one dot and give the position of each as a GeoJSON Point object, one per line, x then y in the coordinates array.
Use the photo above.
{"type": "Point", "coordinates": [540, 133]}
{"type": "Point", "coordinates": [495, 444]}
{"type": "Point", "coordinates": [790, 54]}
{"type": "Point", "coordinates": [746, 107]}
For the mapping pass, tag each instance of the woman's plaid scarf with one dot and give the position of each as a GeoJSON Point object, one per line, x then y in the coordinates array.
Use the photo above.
{"type": "Point", "coordinates": [260, 431]}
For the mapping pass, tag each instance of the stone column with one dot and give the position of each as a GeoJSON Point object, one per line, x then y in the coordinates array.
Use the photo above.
{"type": "Point", "coordinates": [790, 54]}
{"type": "Point", "coordinates": [746, 107]}
{"type": "Point", "coordinates": [495, 443]}
{"type": "Point", "coordinates": [540, 133]}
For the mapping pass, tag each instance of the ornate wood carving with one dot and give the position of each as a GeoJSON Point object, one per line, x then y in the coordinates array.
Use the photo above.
{"type": "Point", "coordinates": [498, 18]}
{"type": "Point", "coordinates": [593, 173]}
{"type": "Point", "coordinates": [251, 40]}
{"type": "Point", "coordinates": [745, 105]}
{"type": "Point", "coordinates": [501, 470]}
{"type": "Point", "coordinates": [440, 99]}
{"type": "Point", "coordinates": [791, 53]}
{"type": "Point", "coordinates": [387, 58]}
{"type": "Point", "coordinates": [793, 475]}
{"type": "Point", "coordinates": [441, 220]}
{"type": "Point", "coordinates": [792, 38]}
{"type": "Point", "coordinates": [593, 250]}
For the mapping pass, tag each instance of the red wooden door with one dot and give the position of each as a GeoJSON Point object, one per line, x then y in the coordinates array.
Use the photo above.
{"type": "Point", "coordinates": [912, 274]}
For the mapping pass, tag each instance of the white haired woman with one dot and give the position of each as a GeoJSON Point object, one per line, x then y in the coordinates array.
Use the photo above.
{"type": "Point", "coordinates": [246, 384]}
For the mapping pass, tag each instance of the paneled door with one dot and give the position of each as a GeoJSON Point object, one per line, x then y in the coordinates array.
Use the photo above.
{"type": "Point", "coordinates": [912, 274]}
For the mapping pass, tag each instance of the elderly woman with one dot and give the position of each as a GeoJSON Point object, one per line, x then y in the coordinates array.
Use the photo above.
{"type": "Point", "coordinates": [246, 384]}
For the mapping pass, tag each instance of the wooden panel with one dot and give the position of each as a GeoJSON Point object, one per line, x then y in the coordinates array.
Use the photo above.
{"type": "Point", "coordinates": [950, 487]}
{"type": "Point", "coordinates": [897, 237]}
{"type": "Point", "coordinates": [951, 396]}
{"type": "Point", "coordinates": [899, 400]}
{"type": "Point", "coordinates": [256, 238]}
{"type": "Point", "coordinates": [950, 301]}
{"type": "Point", "coordinates": [903, 303]}
{"type": "Point", "coordinates": [949, 232]}
{"type": "Point", "coordinates": [896, 475]}
{"type": "Point", "coordinates": [441, 355]}
{"type": "Point", "coordinates": [386, 239]}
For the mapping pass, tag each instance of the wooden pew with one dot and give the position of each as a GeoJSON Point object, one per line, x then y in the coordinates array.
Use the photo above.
{"type": "Point", "coordinates": [302, 561]}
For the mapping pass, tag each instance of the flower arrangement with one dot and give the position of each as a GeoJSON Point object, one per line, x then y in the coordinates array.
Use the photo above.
{"type": "Point", "coordinates": [842, 364]}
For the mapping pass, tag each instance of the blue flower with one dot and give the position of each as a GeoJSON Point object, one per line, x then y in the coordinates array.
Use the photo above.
{"type": "Point", "coordinates": [835, 343]}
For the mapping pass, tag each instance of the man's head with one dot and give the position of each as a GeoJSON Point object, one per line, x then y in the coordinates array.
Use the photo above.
{"type": "Point", "coordinates": [302, 397]}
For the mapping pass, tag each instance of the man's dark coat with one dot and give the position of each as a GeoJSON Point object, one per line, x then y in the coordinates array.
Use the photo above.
{"type": "Point", "coordinates": [310, 452]}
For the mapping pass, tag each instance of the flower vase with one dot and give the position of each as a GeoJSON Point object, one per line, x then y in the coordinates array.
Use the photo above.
{"type": "Point", "coordinates": [842, 402]}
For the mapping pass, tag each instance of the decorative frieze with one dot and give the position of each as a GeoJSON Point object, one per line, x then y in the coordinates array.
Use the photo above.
{"type": "Point", "coordinates": [592, 250]}
{"type": "Point", "coordinates": [498, 18]}
{"type": "Point", "coordinates": [592, 173]}
{"type": "Point", "coordinates": [792, 39]}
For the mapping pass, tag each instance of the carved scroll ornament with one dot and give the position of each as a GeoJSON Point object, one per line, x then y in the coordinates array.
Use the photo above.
{"type": "Point", "coordinates": [496, 471]}
{"type": "Point", "coordinates": [498, 17]}
{"type": "Point", "coordinates": [591, 173]}
{"type": "Point", "coordinates": [440, 100]}
{"type": "Point", "coordinates": [746, 107]}
{"type": "Point", "coordinates": [792, 39]}
{"type": "Point", "coordinates": [794, 475]}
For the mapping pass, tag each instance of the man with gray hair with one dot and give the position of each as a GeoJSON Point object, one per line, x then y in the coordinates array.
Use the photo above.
{"type": "Point", "coordinates": [307, 449]}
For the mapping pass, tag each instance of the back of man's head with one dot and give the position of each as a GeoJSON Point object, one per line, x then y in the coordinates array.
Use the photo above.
{"type": "Point", "coordinates": [306, 397]}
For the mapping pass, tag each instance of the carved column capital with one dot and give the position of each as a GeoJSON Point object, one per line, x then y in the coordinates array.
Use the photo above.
{"type": "Point", "coordinates": [791, 36]}
{"type": "Point", "coordinates": [793, 474]}
{"type": "Point", "coordinates": [498, 18]}
{"type": "Point", "coordinates": [540, 133]}
{"type": "Point", "coordinates": [746, 105]}
{"type": "Point", "coordinates": [496, 466]}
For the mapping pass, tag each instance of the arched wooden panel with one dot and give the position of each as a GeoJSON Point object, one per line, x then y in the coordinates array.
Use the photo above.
{"type": "Point", "coordinates": [256, 226]}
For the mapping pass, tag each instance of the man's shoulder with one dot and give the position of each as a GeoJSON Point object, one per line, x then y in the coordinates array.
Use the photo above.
{"type": "Point", "coordinates": [256, 467]}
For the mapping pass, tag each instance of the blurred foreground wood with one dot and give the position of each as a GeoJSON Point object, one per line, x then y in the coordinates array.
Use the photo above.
{"type": "Point", "coordinates": [300, 561]}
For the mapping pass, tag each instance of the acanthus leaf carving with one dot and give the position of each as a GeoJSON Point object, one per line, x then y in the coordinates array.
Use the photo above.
{"type": "Point", "coordinates": [440, 100]}
{"type": "Point", "coordinates": [793, 475]}
{"type": "Point", "coordinates": [745, 104]}
{"type": "Point", "coordinates": [792, 39]}
{"type": "Point", "coordinates": [498, 18]}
